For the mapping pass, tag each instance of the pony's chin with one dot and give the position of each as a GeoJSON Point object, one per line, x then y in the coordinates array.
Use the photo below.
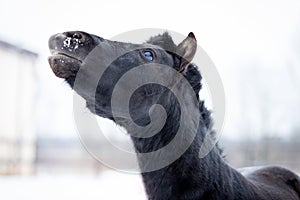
{"type": "Point", "coordinates": [64, 66]}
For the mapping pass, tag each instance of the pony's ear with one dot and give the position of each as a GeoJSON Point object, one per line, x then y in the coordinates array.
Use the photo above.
{"type": "Point", "coordinates": [186, 50]}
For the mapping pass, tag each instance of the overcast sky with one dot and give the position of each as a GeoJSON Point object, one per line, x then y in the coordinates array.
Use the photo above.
{"type": "Point", "coordinates": [235, 34]}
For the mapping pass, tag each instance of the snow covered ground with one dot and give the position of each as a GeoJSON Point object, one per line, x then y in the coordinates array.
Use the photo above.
{"type": "Point", "coordinates": [109, 185]}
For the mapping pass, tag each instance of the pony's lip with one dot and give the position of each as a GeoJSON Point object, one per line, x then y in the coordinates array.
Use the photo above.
{"type": "Point", "coordinates": [63, 54]}
{"type": "Point", "coordinates": [64, 66]}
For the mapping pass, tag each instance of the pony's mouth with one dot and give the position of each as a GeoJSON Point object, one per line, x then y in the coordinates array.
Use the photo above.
{"type": "Point", "coordinates": [58, 53]}
{"type": "Point", "coordinates": [64, 65]}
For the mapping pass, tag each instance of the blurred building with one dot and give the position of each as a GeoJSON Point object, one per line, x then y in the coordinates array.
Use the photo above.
{"type": "Point", "coordinates": [17, 103]}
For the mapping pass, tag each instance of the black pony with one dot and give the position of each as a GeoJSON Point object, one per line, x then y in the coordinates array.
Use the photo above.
{"type": "Point", "coordinates": [188, 177]}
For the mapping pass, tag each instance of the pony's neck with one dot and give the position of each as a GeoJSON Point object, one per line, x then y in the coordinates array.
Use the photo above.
{"type": "Point", "coordinates": [189, 177]}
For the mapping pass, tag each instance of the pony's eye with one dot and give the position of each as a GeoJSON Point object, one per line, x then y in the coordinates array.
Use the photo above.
{"type": "Point", "coordinates": [148, 55]}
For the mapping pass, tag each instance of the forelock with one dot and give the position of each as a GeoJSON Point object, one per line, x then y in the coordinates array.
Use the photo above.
{"type": "Point", "coordinates": [164, 40]}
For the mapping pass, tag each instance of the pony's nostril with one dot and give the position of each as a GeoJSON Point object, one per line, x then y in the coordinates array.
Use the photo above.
{"type": "Point", "coordinates": [68, 34]}
{"type": "Point", "coordinates": [77, 36]}
{"type": "Point", "coordinates": [74, 35]}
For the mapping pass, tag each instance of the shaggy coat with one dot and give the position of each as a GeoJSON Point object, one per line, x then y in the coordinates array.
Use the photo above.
{"type": "Point", "coordinates": [189, 177]}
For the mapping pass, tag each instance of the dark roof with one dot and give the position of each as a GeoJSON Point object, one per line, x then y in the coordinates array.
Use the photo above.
{"type": "Point", "coordinates": [17, 49]}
